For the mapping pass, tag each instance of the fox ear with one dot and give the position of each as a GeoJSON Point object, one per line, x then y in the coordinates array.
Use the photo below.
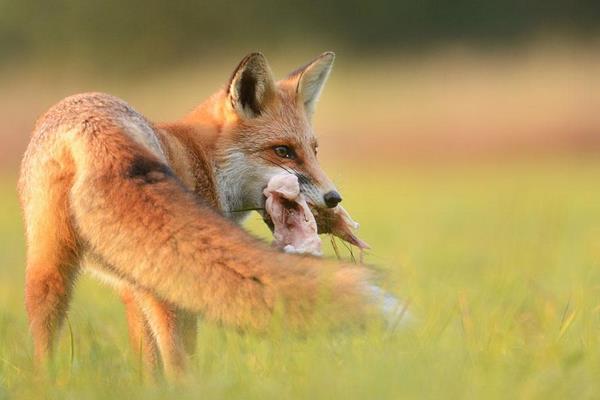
{"type": "Point", "coordinates": [310, 80]}
{"type": "Point", "coordinates": [251, 86]}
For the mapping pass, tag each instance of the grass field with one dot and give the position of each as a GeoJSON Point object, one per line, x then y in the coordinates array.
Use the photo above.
{"type": "Point", "coordinates": [500, 264]}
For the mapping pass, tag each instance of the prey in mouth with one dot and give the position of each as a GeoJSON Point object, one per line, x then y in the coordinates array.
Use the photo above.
{"type": "Point", "coordinates": [296, 224]}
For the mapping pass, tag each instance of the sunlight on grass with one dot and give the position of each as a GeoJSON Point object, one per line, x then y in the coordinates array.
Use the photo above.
{"type": "Point", "coordinates": [501, 266]}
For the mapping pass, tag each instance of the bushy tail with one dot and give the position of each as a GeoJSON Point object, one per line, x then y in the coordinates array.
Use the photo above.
{"type": "Point", "coordinates": [135, 215]}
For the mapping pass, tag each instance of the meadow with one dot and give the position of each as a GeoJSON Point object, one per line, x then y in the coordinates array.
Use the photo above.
{"type": "Point", "coordinates": [500, 266]}
{"type": "Point", "coordinates": [475, 180]}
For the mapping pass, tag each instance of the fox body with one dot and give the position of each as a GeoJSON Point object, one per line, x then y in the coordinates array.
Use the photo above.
{"type": "Point", "coordinates": [152, 210]}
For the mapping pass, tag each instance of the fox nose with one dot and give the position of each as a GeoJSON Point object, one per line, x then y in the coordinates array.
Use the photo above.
{"type": "Point", "coordinates": [332, 198]}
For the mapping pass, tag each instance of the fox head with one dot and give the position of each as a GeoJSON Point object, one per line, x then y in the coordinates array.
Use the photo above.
{"type": "Point", "coordinates": [267, 131]}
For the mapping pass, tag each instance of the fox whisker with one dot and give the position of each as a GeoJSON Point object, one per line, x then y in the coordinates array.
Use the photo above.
{"type": "Point", "coordinates": [277, 164]}
{"type": "Point", "coordinates": [245, 210]}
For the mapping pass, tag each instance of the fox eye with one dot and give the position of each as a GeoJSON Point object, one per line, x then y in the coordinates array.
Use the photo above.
{"type": "Point", "coordinates": [284, 152]}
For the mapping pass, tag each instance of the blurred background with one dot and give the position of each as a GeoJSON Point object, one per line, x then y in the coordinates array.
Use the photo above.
{"type": "Point", "coordinates": [464, 136]}
{"type": "Point", "coordinates": [415, 81]}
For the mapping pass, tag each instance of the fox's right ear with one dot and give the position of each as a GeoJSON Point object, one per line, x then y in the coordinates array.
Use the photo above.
{"type": "Point", "coordinates": [251, 86]}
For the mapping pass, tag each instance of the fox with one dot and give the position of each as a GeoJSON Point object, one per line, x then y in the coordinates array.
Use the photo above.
{"type": "Point", "coordinates": [155, 210]}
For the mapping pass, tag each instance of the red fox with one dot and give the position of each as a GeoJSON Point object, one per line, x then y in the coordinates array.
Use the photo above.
{"type": "Point", "coordinates": [153, 209]}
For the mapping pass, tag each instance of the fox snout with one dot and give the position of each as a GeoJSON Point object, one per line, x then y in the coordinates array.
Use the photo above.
{"type": "Point", "coordinates": [319, 195]}
{"type": "Point", "coordinates": [316, 195]}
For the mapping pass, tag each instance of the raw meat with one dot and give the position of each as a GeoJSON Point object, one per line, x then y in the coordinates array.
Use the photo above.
{"type": "Point", "coordinates": [294, 226]}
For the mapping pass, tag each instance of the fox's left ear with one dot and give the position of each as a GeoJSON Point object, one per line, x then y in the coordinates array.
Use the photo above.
{"type": "Point", "coordinates": [251, 86]}
{"type": "Point", "coordinates": [310, 80]}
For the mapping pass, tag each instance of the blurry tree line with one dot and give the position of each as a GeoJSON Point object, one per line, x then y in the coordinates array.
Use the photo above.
{"type": "Point", "coordinates": [149, 32]}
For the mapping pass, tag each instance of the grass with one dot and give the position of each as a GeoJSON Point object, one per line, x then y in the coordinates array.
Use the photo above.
{"type": "Point", "coordinates": [501, 265]}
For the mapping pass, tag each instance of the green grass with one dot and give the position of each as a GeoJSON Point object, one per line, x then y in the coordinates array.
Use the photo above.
{"type": "Point", "coordinates": [501, 266]}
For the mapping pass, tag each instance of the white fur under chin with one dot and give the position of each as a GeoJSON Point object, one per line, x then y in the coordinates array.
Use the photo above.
{"type": "Point", "coordinates": [240, 184]}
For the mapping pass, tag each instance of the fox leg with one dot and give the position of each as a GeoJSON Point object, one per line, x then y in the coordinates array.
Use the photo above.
{"type": "Point", "coordinates": [165, 322]}
{"type": "Point", "coordinates": [48, 290]}
{"type": "Point", "coordinates": [140, 334]}
{"type": "Point", "coordinates": [188, 328]}
{"type": "Point", "coordinates": [51, 266]}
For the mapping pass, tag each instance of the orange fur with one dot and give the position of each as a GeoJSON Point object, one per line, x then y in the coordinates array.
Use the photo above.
{"type": "Point", "coordinates": [149, 209]}
{"type": "Point", "coordinates": [140, 333]}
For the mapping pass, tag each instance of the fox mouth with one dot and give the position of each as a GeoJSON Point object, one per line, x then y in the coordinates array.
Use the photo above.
{"type": "Point", "coordinates": [292, 222]}
{"type": "Point", "coordinates": [265, 215]}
